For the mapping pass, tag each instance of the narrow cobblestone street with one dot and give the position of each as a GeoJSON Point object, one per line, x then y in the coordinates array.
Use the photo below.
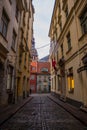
{"type": "Point", "coordinates": [41, 113]}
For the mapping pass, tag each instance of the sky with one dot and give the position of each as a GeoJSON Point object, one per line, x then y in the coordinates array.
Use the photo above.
{"type": "Point", "coordinates": [42, 20]}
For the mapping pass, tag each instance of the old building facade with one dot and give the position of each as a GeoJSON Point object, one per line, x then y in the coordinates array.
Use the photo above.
{"type": "Point", "coordinates": [33, 68]}
{"type": "Point", "coordinates": [16, 30]}
{"type": "Point", "coordinates": [24, 47]}
{"type": "Point", "coordinates": [43, 75]}
{"type": "Point", "coordinates": [9, 23]}
{"type": "Point", "coordinates": [68, 34]}
{"type": "Point", "coordinates": [33, 77]}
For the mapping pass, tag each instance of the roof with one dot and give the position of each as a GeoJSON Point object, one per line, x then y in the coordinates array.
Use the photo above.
{"type": "Point", "coordinates": [44, 59]}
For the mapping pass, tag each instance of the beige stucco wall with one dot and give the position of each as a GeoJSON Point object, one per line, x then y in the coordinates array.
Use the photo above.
{"type": "Point", "coordinates": [24, 67]}
{"type": "Point", "coordinates": [73, 58]}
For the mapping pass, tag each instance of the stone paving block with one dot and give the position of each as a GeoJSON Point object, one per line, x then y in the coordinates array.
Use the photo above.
{"type": "Point", "coordinates": [41, 113]}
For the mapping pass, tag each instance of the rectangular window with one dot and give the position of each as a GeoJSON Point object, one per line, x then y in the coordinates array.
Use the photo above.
{"type": "Point", "coordinates": [32, 87]}
{"type": "Point", "coordinates": [59, 7]}
{"type": "Point", "coordinates": [4, 23]}
{"type": "Point", "coordinates": [57, 56]}
{"type": "Point", "coordinates": [66, 11]}
{"type": "Point", "coordinates": [24, 18]}
{"type": "Point", "coordinates": [70, 81]}
{"type": "Point", "coordinates": [10, 1]}
{"type": "Point", "coordinates": [9, 77]}
{"type": "Point", "coordinates": [69, 40]}
{"type": "Point", "coordinates": [45, 80]}
{"type": "Point", "coordinates": [40, 77]}
{"type": "Point", "coordinates": [13, 39]}
{"type": "Point", "coordinates": [62, 49]}
{"type": "Point", "coordinates": [32, 77]}
{"type": "Point", "coordinates": [83, 21]}
{"type": "Point", "coordinates": [17, 13]}
{"type": "Point", "coordinates": [25, 59]}
{"type": "Point", "coordinates": [20, 58]}
{"type": "Point", "coordinates": [33, 68]}
{"type": "Point", "coordinates": [60, 26]}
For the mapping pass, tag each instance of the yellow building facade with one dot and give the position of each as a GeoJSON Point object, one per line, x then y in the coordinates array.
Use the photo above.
{"type": "Point", "coordinates": [68, 35]}
{"type": "Point", "coordinates": [24, 46]}
{"type": "Point", "coordinates": [9, 26]}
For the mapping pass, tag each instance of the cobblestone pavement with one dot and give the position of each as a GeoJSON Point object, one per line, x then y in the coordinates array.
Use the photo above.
{"type": "Point", "coordinates": [42, 114]}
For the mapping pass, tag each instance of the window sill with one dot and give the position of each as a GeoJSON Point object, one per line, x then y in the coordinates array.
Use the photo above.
{"type": "Point", "coordinates": [69, 50]}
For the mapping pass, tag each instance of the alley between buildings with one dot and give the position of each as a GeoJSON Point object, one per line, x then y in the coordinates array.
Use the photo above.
{"type": "Point", "coordinates": [41, 113]}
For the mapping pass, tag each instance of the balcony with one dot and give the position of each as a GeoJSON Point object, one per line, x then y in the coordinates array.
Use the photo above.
{"type": "Point", "coordinates": [61, 61]}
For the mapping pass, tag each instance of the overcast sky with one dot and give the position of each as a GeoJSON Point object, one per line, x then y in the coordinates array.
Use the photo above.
{"type": "Point", "coordinates": [42, 19]}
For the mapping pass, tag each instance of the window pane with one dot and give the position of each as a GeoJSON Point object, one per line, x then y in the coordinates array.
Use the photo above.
{"type": "Point", "coordinates": [72, 83]}
{"type": "Point", "coordinates": [69, 41]}
{"type": "Point", "coordinates": [4, 23]}
{"type": "Point", "coordinates": [1, 26]}
{"type": "Point", "coordinates": [83, 21]}
{"type": "Point", "coordinates": [69, 83]}
{"type": "Point", "coordinates": [4, 30]}
{"type": "Point", "coordinates": [13, 39]}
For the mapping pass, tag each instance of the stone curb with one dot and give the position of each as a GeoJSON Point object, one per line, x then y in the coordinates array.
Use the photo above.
{"type": "Point", "coordinates": [73, 112]}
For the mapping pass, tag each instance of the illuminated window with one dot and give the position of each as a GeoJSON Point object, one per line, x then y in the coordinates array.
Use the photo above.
{"type": "Point", "coordinates": [70, 81]}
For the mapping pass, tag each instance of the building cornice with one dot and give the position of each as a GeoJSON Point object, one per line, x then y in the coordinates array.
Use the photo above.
{"type": "Point", "coordinates": [53, 16]}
